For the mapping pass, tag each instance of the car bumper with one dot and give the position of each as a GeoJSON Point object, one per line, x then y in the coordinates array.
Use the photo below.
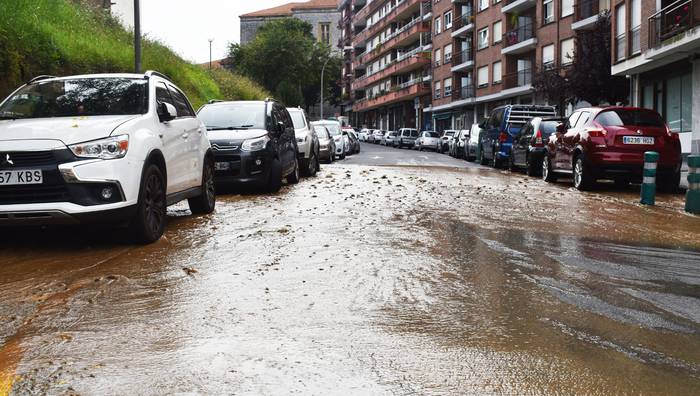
{"type": "Point", "coordinates": [244, 167]}
{"type": "Point", "coordinates": [65, 213]}
{"type": "Point", "coordinates": [304, 149]}
{"type": "Point", "coordinates": [615, 164]}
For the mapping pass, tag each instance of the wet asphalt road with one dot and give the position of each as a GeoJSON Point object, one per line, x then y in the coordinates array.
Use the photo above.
{"type": "Point", "coordinates": [393, 272]}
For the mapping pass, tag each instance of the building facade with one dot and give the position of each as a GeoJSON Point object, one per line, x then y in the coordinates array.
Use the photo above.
{"type": "Point", "coordinates": [656, 44]}
{"type": "Point", "coordinates": [323, 15]}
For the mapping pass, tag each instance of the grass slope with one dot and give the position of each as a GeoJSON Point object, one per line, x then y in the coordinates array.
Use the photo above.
{"type": "Point", "coordinates": [61, 37]}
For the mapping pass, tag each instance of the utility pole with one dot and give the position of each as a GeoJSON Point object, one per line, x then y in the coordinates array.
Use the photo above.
{"type": "Point", "coordinates": [137, 36]}
{"type": "Point", "coordinates": [210, 41]}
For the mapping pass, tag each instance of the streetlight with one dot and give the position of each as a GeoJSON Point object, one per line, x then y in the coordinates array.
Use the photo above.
{"type": "Point", "coordinates": [323, 70]}
{"type": "Point", "coordinates": [137, 36]}
{"type": "Point", "coordinates": [210, 41]}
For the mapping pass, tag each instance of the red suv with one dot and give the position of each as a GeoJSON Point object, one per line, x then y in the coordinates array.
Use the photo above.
{"type": "Point", "coordinates": [609, 143]}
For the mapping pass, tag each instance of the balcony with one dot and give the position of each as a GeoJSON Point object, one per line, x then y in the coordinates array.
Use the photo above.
{"type": "Point", "coordinates": [669, 24]}
{"type": "Point", "coordinates": [517, 6]}
{"type": "Point", "coordinates": [427, 9]}
{"type": "Point", "coordinates": [586, 13]}
{"type": "Point", "coordinates": [403, 64]}
{"type": "Point", "coordinates": [463, 61]}
{"type": "Point", "coordinates": [467, 92]}
{"type": "Point", "coordinates": [402, 37]}
{"type": "Point", "coordinates": [403, 10]}
{"type": "Point", "coordinates": [463, 25]}
{"type": "Point", "coordinates": [521, 78]}
{"type": "Point", "coordinates": [519, 40]}
{"type": "Point", "coordinates": [410, 90]}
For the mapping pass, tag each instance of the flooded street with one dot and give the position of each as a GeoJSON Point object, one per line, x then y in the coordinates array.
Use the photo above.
{"type": "Point", "coordinates": [393, 272]}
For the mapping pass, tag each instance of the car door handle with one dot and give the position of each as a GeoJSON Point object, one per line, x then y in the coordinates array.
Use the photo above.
{"type": "Point", "coordinates": [185, 135]}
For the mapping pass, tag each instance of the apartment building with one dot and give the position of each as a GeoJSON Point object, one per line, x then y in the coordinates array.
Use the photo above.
{"type": "Point", "coordinates": [345, 7]}
{"type": "Point", "coordinates": [657, 45]}
{"type": "Point", "coordinates": [391, 73]}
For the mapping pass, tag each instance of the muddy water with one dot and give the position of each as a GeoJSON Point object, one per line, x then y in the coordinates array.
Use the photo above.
{"type": "Point", "coordinates": [366, 281]}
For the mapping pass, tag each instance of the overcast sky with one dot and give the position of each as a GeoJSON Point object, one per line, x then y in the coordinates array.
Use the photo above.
{"type": "Point", "coordinates": [187, 25]}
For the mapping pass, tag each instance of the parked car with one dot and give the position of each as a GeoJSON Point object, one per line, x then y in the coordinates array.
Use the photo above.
{"type": "Point", "coordinates": [609, 143]}
{"type": "Point", "coordinates": [254, 143]}
{"type": "Point", "coordinates": [307, 142]}
{"type": "Point", "coordinates": [528, 145]}
{"type": "Point", "coordinates": [428, 140]}
{"type": "Point", "coordinates": [459, 142]}
{"type": "Point", "coordinates": [370, 136]}
{"type": "Point", "coordinates": [377, 136]}
{"type": "Point", "coordinates": [346, 143]}
{"type": "Point", "coordinates": [334, 129]}
{"type": "Point", "coordinates": [471, 148]}
{"type": "Point", "coordinates": [384, 136]}
{"type": "Point", "coordinates": [354, 142]}
{"type": "Point", "coordinates": [406, 138]}
{"type": "Point", "coordinates": [326, 143]}
{"type": "Point", "coordinates": [364, 133]}
{"type": "Point", "coordinates": [446, 139]}
{"type": "Point", "coordinates": [390, 138]}
{"type": "Point", "coordinates": [504, 123]}
{"type": "Point", "coordinates": [105, 149]}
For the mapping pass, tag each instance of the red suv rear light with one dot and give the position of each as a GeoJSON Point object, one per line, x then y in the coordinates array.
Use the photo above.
{"type": "Point", "coordinates": [503, 137]}
{"type": "Point", "coordinates": [671, 135]}
{"type": "Point", "coordinates": [596, 132]}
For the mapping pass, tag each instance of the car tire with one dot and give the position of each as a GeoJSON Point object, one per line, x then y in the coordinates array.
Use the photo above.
{"type": "Point", "coordinates": [206, 202]}
{"type": "Point", "coordinates": [511, 163]}
{"type": "Point", "coordinates": [274, 182]}
{"type": "Point", "coordinates": [311, 165]}
{"type": "Point", "coordinates": [548, 174]}
{"type": "Point", "coordinates": [342, 156]}
{"type": "Point", "coordinates": [148, 224]}
{"type": "Point", "coordinates": [533, 169]}
{"type": "Point", "coordinates": [583, 180]}
{"type": "Point", "coordinates": [293, 178]}
{"type": "Point", "coordinates": [482, 159]}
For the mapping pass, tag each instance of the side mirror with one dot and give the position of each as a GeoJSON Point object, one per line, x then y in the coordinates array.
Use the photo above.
{"type": "Point", "coordinates": [279, 128]}
{"type": "Point", "coordinates": [166, 112]}
{"type": "Point", "coordinates": [561, 128]}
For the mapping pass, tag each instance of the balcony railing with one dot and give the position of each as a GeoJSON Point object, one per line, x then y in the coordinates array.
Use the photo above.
{"type": "Point", "coordinates": [463, 57]}
{"type": "Point", "coordinates": [585, 9]}
{"type": "Point", "coordinates": [519, 34]}
{"type": "Point", "coordinates": [517, 79]}
{"type": "Point", "coordinates": [673, 20]}
{"type": "Point", "coordinates": [427, 7]}
{"type": "Point", "coordinates": [464, 20]}
{"type": "Point", "coordinates": [467, 92]}
{"type": "Point", "coordinates": [620, 47]}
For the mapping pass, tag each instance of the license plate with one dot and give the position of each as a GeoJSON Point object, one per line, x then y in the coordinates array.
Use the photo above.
{"type": "Point", "coordinates": [637, 140]}
{"type": "Point", "coordinates": [19, 177]}
{"type": "Point", "coordinates": [222, 166]}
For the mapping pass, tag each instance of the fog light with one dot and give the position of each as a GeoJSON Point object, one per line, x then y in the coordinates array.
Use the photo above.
{"type": "Point", "coordinates": [106, 193]}
{"type": "Point", "coordinates": [258, 162]}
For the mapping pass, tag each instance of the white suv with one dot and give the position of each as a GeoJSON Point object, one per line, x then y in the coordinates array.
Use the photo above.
{"type": "Point", "coordinates": [307, 142]}
{"type": "Point", "coordinates": [105, 149]}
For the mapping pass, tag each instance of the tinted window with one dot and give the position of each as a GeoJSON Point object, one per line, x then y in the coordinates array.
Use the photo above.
{"type": "Point", "coordinates": [548, 127]}
{"type": "Point", "coordinates": [234, 114]}
{"type": "Point", "coordinates": [78, 97]}
{"type": "Point", "coordinates": [414, 133]}
{"type": "Point", "coordinates": [284, 115]}
{"type": "Point", "coordinates": [497, 119]}
{"type": "Point", "coordinates": [298, 119]}
{"type": "Point", "coordinates": [181, 104]}
{"type": "Point", "coordinates": [431, 134]}
{"type": "Point", "coordinates": [163, 95]}
{"type": "Point", "coordinates": [622, 117]}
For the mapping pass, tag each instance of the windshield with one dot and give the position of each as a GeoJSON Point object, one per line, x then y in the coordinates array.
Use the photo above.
{"type": "Point", "coordinates": [622, 117]}
{"type": "Point", "coordinates": [233, 116]}
{"type": "Point", "coordinates": [78, 97]}
{"type": "Point", "coordinates": [333, 129]}
{"type": "Point", "coordinates": [321, 132]}
{"type": "Point", "coordinates": [297, 119]}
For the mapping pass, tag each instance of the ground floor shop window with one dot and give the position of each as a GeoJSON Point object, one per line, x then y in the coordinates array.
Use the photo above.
{"type": "Point", "coordinates": [673, 98]}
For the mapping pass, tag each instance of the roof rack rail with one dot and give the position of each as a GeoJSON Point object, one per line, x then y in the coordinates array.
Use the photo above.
{"type": "Point", "coordinates": [39, 78]}
{"type": "Point", "coordinates": [150, 73]}
{"type": "Point", "coordinates": [212, 101]}
{"type": "Point", "coordinates": [270, 99]}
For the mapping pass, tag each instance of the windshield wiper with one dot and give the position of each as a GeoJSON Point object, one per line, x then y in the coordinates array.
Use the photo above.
{"type": "Point", "coordinates": [230, 128]}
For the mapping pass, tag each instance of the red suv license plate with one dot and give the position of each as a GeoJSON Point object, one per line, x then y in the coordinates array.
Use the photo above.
{"type": "Point", "coordinates": [638, 140]}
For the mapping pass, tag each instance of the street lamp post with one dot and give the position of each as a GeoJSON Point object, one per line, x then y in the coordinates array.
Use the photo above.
{"type": "Point", "coordinates": [210, 41]}
{"type": "Point", "coordinates": [137, 36]}
{"type": "Point", "coordinates": [323, 70]}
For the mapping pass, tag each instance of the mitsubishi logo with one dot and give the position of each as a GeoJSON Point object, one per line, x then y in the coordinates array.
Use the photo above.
{"type": "Point", "coordinates": [639, 132]}
{"type": "Point", "coordinates": [7, 161]}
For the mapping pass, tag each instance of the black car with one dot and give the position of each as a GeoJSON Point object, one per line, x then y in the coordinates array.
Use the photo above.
{"type": "Point", "coordinates": [529, 144]}
{"type": "Point", "coordinates": [253, 142]}
{"type": "Point", "coordinates": [354, 141]}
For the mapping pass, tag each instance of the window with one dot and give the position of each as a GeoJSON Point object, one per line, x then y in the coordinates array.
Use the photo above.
{"type": "Point", "coordinates": [438, 25]}
{"type": "Point", "coordinates": [622, 117]}
{"type": "Point", "coordinates": [567, 51]}
{"type": "Point", "coordinates": [483, 38]}
{"type": "Point", "coordinates": [548, 11]}
{"type": "Point", "coordinates": [482, 76]}
{"type": "Point", "coordinates": [448, 87]}
{"type": "Point", "coordinates": [448, 53]}
{"type": "Point", "coordinates": [548, 56]}
{"type": "Point", "coordinates": [497, 32]}
{"type": "Point", "coordinates": [181, 104]}
{"type": "Point", "coordinates": [497, 72]}
{"type": "Point", "coordinates": [325, 33]}
{"type": "Point", "coordinates": [162, 94]}
{"type": "Point", "coordinates": [636, 24]}
{"type": "Point", "coordinates": [620, 28]}
{"type": "Point", "coordinates": [448, 20]}
{"type": "Point", "coordinates": [483, 4]}
{"type": "Point", "coordinates": [567, 8]}
{"type": "Point", "coordinates": [573, 118]}
{"type": "Point", "coordinates": [438, 57]}
{"type": "Point", "coordinates": [438, 88]}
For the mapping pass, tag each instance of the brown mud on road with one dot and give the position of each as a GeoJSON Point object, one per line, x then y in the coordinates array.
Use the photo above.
{"type": "Point", "coordinates": [366, 281]}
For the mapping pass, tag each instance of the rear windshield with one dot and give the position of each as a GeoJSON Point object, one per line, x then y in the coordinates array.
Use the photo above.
{"type": "Point", "coordinates": [431, 134]}
{"type": "Point", "coordinates": [449, 133]}
{"type": "Point", "coordinates": [239, 115]}
{"type": "Point", "coordinates": [623, 117]}
{"type": "Point", "coordinates": [548, 127]}
{"type": "Point", "coordinates": [78, 97]}
{"type": "Point", "coordinates": [297, 119]}
{"type": "Point", "coordinates": [321, 132]}
{"type": "Point", "coordinates": [333, 128]}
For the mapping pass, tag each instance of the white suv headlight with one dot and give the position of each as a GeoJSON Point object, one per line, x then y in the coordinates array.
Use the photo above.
{"type": "Point", "coordinates": [256, 144]}
{"type": "Point", "coordinates": [108, 148]}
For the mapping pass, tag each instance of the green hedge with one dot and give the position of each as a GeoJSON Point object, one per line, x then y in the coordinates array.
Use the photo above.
{"type": "Point", "coordinates": [62, 37]}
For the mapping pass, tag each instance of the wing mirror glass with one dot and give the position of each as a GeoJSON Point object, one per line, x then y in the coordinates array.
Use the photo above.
{"type": "Point", "coordinates": [166, 112]}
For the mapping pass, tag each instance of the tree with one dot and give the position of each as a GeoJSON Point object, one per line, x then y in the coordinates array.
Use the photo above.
{"type": "Point", "coordinates": [286, 59]}
{"type": "Point", "coordinates": [590, 76]}
{"type": "Point", "coordinates": [553, 85]}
